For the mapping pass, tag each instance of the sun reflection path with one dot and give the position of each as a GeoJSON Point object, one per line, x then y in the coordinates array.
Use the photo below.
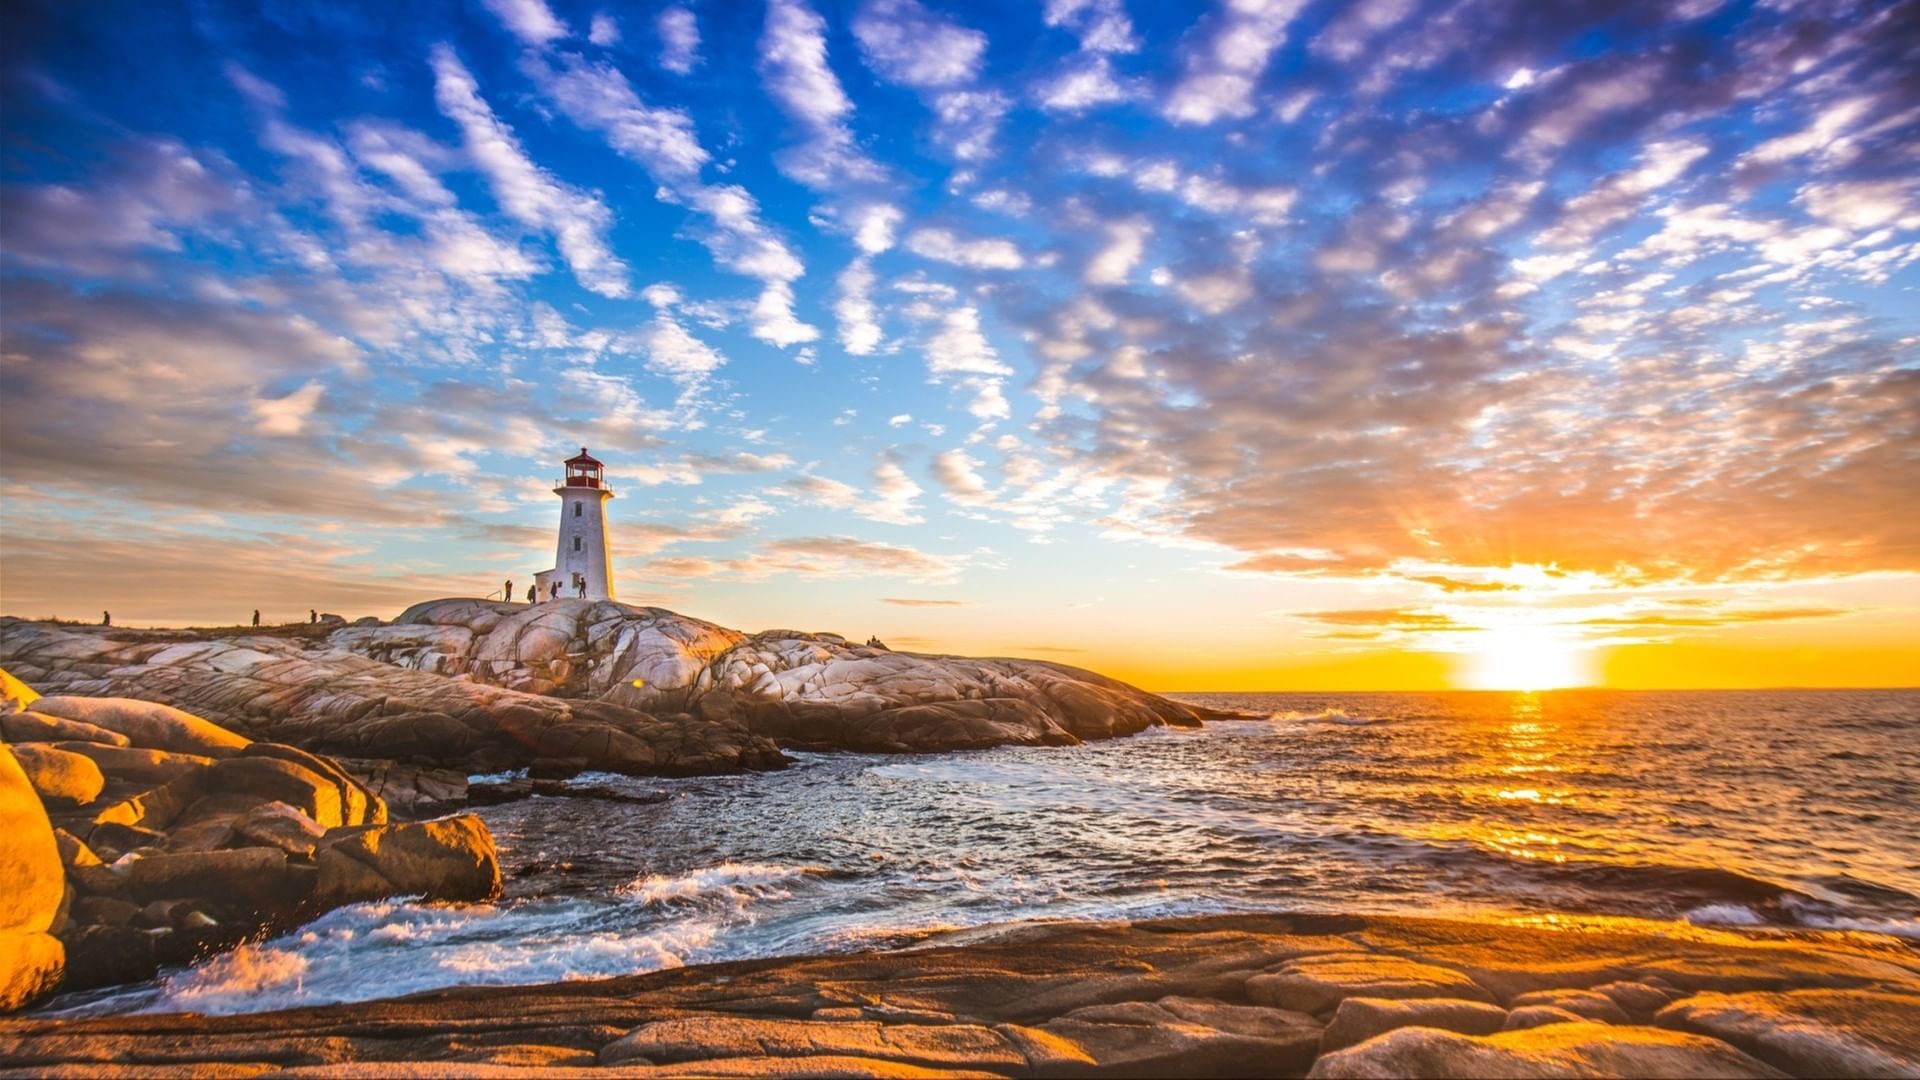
{"type": "Point", "coordinates": [1518, 820]}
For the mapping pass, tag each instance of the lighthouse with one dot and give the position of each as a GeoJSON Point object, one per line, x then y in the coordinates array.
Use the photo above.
{"type": "Point", "coordinates": [583, 554]}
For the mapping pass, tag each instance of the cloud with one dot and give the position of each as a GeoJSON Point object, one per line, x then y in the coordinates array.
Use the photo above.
{"type": "Point", "coordinates": [1454, 585]}
{"type": "Point", "coordinates": [1088, 84]}
{"type": "Point", "coordinates": [1661, 620]}
{"type": "Point", "coordinates": [171, 576]}
{"type": "Point", "coordinates": [673, 352]}
{"type": "Point", "coordinates": [577, 220]}
{"type": "Point", "coordinates": [151, 194]}
{"type": "Point", "coordinates": [679, 32]}
{"type": "Point", "coordinates": [893, 499]}
{"type": "Point", "coordinates": [958, 352]}
{"type": "Point", "coordinates": [958, 473]}
{"type": "Point", "coordinates": [152, 399]}
{"type": "Point", "coordinates": [828, 557]}
{"type": "Point", "coordinates": [860, 331]}
{"type": "Point", "coordinates": [604, 30]}
{"type": "Point", "coordinates": [530, 20]}
{"type": "Point", "coordinates": [906, 44]}
{"type": "Point", "coordinates": [1399, 619]}
{"type": "Point", "coordinates": [793, 65]}
{"type": "Point", "coordinates": [902, 601]}
{"type": "Point", "coordinates": [1223, 69]}
{"type": "Point", "coordinates": [1101, 25]}
{"type": "Point", "coordinates": [944, 245]}
{"type": "Point", "coordinates": [1357, 25]}
{"type": "Point", "coordinates": [1126, 243]}
{"type": "Point", "coordinates": [287, 415]}
{"type": "Point", "coordinates": [598, 97]}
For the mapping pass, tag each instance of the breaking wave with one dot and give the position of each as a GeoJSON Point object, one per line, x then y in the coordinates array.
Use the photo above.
{"type": "Point", "coordinates": [733, 885]}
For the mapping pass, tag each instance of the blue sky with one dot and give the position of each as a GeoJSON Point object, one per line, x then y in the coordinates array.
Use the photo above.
{"type": "Point", "coordinates": [1009, 327]}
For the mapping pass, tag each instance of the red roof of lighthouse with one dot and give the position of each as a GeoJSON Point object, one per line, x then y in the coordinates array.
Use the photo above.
{"type": "Point", "coordinates": [584, 458]}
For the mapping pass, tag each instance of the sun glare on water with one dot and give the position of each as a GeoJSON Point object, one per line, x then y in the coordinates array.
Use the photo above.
{"type": "Point", "coordinates": [1525, 659]}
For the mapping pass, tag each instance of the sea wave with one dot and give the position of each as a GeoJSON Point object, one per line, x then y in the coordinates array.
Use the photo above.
{"type": "Point", "coordinates": [1723, 915]}
{"type": "Point", "coordinates": [1330, 715]}
{"type": "Point", "coordinates": [729, 884]}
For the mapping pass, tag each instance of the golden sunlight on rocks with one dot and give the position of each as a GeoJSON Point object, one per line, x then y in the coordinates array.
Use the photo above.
{"type": "Point", "coordinates": [1229, 995]}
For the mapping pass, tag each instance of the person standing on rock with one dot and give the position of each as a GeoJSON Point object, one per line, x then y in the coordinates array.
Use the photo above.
{"type": "Point", "coordinates": [533, 594]}
{"type": "Point", "coordinates": [106, 618]}
{"type": "Point", "coordinates": [312, 616]}
{"type": "Point", "coordinates": [256, 616]}
{"type": "Point", "coordinates": [506, 591]}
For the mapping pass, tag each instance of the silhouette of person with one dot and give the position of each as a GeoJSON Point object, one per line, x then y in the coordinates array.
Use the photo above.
{"type": "Point", "coordinates": [580, 587]}
{"type": "Point", "coordinates": [312, 616]}
{"type": "Point", "coordinates": [506, 591]}
{"type": "Point", "coordinates": [533, 593]}
{"type": "Point", "coordinates": [106, 618]}
{"type": "Point", "coordinates": [256, 616]}
{"type": "Point", "coordinates": [553, 591]}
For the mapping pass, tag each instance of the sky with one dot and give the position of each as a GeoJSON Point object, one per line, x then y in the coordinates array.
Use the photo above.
{"type": "Point", "coordinates": [1259, 344]}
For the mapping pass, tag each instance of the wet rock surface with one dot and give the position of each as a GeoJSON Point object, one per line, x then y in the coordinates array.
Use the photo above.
{"type": "Point", "coordinates": [1167, 997]}
{"type": "Point", "coordinates": [119, 858]}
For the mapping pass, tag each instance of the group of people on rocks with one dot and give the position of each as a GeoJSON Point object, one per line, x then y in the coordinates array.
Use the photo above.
{"type": "Point", "coordinates": [553, 590]}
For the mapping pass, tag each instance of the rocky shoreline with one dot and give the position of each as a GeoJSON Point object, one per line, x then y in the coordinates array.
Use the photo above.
{"type": "Point", "coordinates": [567, 686]}
{"type": "Point", "coordinates": [136, 835]}
{"type": "Point", "coordinates": [173, 793]}
{"type": "Point", "coordinates": [1226, 995]}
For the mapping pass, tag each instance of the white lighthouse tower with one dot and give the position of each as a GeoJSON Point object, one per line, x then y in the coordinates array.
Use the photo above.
{"type": "Point", "coordinates": [583, 557]}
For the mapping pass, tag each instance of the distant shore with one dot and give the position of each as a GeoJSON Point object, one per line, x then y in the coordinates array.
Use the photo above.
{"type": "Point", "coordinates": [1224, 995]}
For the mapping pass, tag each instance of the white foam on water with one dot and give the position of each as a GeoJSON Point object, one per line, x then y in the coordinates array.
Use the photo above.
{"type": "Point", "coordinates": [1900, 928]}
{"type": "Point", "coordinates": [497, 777]}
{"type": "Point", "coordinates": [1330, 715]}
{"type": "Point", "coordinates": [730, 884]}
{"type": "Point", "coordinates": [368, 951]}
{"type": "Point", "coordinates": [1723, 915]}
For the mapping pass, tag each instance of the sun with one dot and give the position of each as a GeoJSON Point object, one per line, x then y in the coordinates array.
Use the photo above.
{"type": "Point", "coordinates": [1526, 659]}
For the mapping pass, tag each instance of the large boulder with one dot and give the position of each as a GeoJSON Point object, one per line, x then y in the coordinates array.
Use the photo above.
{"type": "Point", "coordinates": [278, 825]}
{"type": "Point", "coordinates": [276, 780]}
{"type": "Point", "coordinates": [449, 859]}
{"type": "Point", "coordinates": [61, 776]}
{"type": "Point", "coordinates": [1313, 984]}
{"type": "Point", "coordinates": [1190, 1037]}
{"type": "Point", "coordinates": [819, 691]}
{"type": "Point", "coordinates": [135, 765]}
{"type": "Point", "coordinates": [808, 690]}
{"type": "Point", "coordinates": [15, 696]}
{"type": "Point", "coordinates": [709, 1038]}
{"type": "Point", "coordinates": [336, 703]}
{"type": "Point", "coordinates": [156, 808]}
{"type": "Point", "coordinates": [410, 792]}
{"type": "Point", "coordinates": [252, 874]}
{"type": "Point", "coordinates": [146, 724]}
{"type": "Point", "coordinates": [1557, 1050]}
{"type": "Point", "coordinates": [30, 726]}
{"type": "Point", "coordinates": [35, 890]}
{"type": "Point", "coordinates": [485, 685]}
{"type": "Point", "coordinates": [1358, 1019]}
{"type": "Point", "coordinates": [1863, 1033]}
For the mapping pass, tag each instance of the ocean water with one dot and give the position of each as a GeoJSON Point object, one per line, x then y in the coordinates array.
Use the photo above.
{"type": "Point", "coordinates": [1766, 809]}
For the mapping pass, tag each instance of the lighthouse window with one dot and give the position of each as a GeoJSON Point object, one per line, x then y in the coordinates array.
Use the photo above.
{"type": "Point", "coordinates": [576, 543]}
{"type": "Point", "coordinates": [576, 509]}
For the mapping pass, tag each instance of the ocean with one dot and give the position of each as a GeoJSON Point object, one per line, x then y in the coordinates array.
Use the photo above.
{"type": "Point", "coordinates": [1793, 809]}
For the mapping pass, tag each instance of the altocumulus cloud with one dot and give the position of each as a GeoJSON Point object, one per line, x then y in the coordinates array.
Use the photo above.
{"type": "Point", "coordinates": [1402, 289]}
